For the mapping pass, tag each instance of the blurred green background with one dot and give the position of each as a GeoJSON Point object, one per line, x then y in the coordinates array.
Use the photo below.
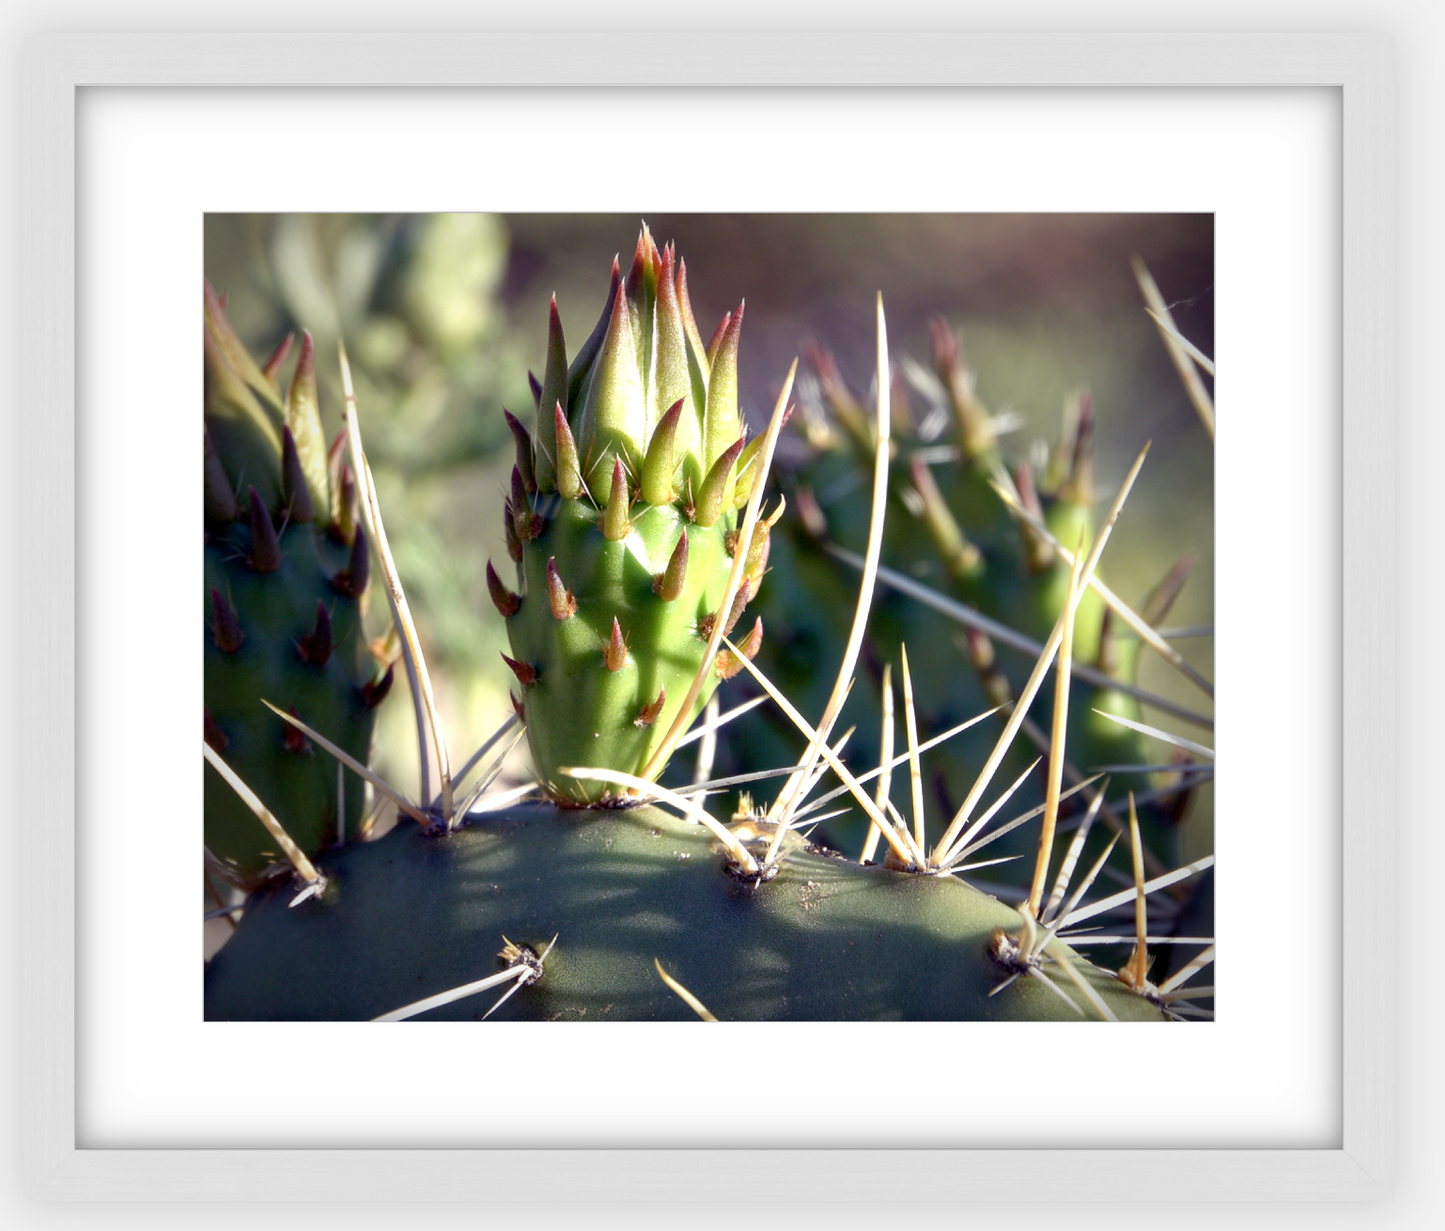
{"type": "Point", "coordinates": [443, 315]}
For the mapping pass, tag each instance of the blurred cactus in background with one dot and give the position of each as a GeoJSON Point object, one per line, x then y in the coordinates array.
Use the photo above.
{"type": "Point", "coordinates": [286, 572]}
{"type": "Point", "coordinates": [417, 301]}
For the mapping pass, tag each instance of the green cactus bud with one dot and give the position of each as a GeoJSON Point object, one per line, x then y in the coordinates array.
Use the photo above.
{"type": "Point", "coordinates": [643, 450]}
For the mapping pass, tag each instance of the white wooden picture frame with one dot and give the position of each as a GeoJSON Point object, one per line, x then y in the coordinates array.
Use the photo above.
{"type": "Point", "coordinates": [58, 67]}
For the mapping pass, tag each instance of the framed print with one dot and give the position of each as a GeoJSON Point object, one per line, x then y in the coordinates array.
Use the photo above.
{"type": "Point", "coordinates": [1286, 142]}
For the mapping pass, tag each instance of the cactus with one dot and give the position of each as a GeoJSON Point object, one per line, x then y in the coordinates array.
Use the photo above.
{"type": "Point", "coordinates": [623, 524]}
{"type": "Point", "coordinates": [614, 896]}
{"type": "Point", "coordinates": [970, 538]}
{"type": "Point", "coordinates": [622, 889]}
{"type": "Point", "coordinates": [286, 567]}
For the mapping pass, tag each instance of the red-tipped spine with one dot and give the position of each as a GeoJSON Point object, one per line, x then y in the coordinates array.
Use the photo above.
{"type": "Point", "coordinates": [615, 525]}
{"type": "Point", "coordinates": [315, 645]}
{"type": "Point", "coordinates": [546, 393]}
{"type": "Point", "coordinates": [344, 503]}
{"type": "Point", "coordinates": [717, 336]}
{"type": "Point", "coordinates": [524, 450]}
{"type": "Point", "coordinates": [756, 563]}
{"type": "Point", "coordinates": [265, 554]}
{"type": "Point", "coordinates": [960, 557]}
{"type": "Point", "coordinates": [374, 691]}
{"type": "Point", "coordinates": [709, 504]}
{"type": "Point", "coordinates": [278, 357]}
{"type": "Point", "coordinates": [649, 712]}
{"type": "Point", "coordinates": [351, 581]}
{"type": "Point", "coordinates": [976, 434]}
{"type": "Point", "coordinates": [1161, 597]}
{"type": "Point", "coordinates": [661, 463]}
{"type": "Point", "coordinates": [581, 366]}
{"type": "Point", "coordinates": [614, 653]}
{"type": "Point", "coordinates": [528, 525]}
{"type": "Point", "coordinates": [509, 523]}
{"type": "Point", "coordinates": [294, 739]}
{"type": "Point", "coordinates": [226, 627]}
{"type": "Point", "coordinates": [721, 423]}
{"type": "Point", "coordinates": [295, 495]}
{"type": "Point", "coordinates": [1038, 551]}
{"type": "Point", "coordinates": [569, 467]}
{"type": "Point", "coordinates": [1081, 471]}
{"type": "Point", "coordinates": [850, 413]}
{"type": "Point", "coordinates": [502, 598]}
{"type": "Point", "coordinates": [689, 322]}
{"type": "Point", "coordinates": [727, 665]}
{"type": "Point", "coordinates": [668, 584]}
{"type": "Point", "coordinates": [346, 508]}
{"type": "Point", "coordinates": [559, 597]}
{"type": "Point", "coordinates": [526, 673]}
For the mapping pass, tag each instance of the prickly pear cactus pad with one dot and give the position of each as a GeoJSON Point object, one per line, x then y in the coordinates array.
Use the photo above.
{"type": "Point", "coordinates": [286, 567]}
{"type": "Point", "coordinates": [623, 525]}
{"type": "Point", "coordinates": [623, 890]}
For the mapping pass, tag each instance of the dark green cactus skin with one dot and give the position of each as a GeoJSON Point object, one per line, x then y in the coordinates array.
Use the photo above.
{"type": "Point", "coordinates": [276, 612]}
{"type": "Point", "coordinates": [415, 914]}
{"type": "Point", "coordinates": [285, 570]}
{"type": "Point", "coordinates": [580, 710]}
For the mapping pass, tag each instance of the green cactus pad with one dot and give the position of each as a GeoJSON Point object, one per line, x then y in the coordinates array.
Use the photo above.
{"type": "Point", "coordinates": [285, 571]}
{"type": "Point", "coordinates": [416, 914]}
{"type": "Point", "coordinates": [276, 613]}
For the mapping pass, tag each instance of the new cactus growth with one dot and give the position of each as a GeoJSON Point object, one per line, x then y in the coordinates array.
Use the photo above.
{"type": "Point", "coordinates": [286, 567]}
{"type": "Point", "coordinates": [623, 524]}
{"type": "Point", "coordinates": [617, 898]}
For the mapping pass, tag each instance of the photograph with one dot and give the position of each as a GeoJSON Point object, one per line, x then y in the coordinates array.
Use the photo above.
{"type": "Point", "coordinates": [725, 617]}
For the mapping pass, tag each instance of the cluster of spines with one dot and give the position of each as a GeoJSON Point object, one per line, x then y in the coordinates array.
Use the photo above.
{"type": "Point", "coordinates": [669, 586]}
{"type": "Point", "coordinates": [1068, 481]}
{"type": "Point", "coordinates": [644, 416]}
{"type": "Point", "coordinates": [326, 497]}
{"type": "Point", "coordinates": [643, 389]}
{"type": "Point", "coordinates": [956, 527]}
